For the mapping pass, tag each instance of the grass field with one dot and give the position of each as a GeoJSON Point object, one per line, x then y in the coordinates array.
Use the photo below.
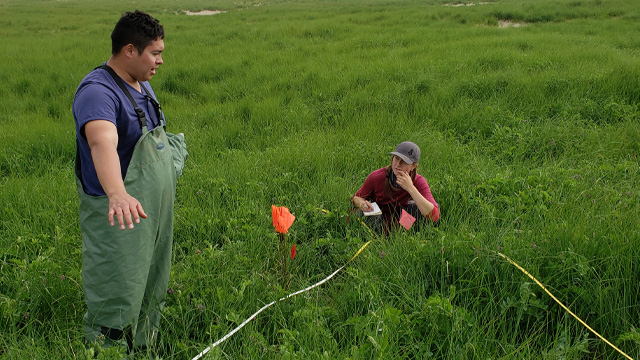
{"type": "Point", "coordinates": [527, 114]}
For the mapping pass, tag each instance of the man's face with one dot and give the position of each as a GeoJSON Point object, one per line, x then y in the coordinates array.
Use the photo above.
{"type": "Point", "coordinates": [148, 61]}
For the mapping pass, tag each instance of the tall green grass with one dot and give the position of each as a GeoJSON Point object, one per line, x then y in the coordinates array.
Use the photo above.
{"type": "Point", "coordinates": [529, 135]}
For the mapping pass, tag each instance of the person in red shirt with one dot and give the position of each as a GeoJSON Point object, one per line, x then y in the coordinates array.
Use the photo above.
{"type": "Point", "coordinates": [397, 187]}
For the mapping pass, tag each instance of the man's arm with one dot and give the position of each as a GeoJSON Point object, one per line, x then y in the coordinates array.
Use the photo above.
{"type": "Point", "coordinates": [102, 137]}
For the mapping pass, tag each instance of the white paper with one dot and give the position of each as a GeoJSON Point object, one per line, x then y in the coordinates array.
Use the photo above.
{"type": "Point", "coordinates": [376, 210]}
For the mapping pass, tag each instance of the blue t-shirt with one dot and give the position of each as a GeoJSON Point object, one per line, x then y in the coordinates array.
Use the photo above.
{"type": "Point", "coordinates": [99, 98]}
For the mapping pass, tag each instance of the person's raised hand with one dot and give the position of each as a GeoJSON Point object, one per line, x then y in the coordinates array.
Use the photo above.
{"type": "Point", "coordinates": [404, 180]}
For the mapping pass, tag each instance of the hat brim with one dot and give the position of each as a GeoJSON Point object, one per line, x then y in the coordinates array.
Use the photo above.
{"type": "Point", "coordinates": [403, 157]}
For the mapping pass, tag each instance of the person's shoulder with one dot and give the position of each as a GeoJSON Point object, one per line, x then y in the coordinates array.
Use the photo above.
{"type": "Point", "coordinates": [382, 172]}
{"type": "Point", "coordinates": [420, 180]}
{"type": "Point", "coordinates": [96, 82]}
{"type": "Point", "coordinates": [96, 93]}
{"type": "Point", "coordinates": [96, 75]}
{"type": "Point", "coordinates": [377, 175]}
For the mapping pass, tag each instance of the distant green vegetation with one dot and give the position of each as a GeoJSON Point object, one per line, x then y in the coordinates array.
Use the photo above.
{"type": "Point", "coordinates": [527, 113]}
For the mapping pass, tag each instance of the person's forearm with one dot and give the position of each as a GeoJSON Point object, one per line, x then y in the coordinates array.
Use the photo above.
{"type": "Point", "coordinates": [107, 164]}
{"type": "Point", "coordinates": [423, 204]}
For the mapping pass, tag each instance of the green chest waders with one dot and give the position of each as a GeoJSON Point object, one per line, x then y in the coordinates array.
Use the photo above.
{"type": "Point", "coordinates": [125, 273]}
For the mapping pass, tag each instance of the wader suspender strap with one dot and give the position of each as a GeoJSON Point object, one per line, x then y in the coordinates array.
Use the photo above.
{"type": "Point", "coordinates": [156, 105]}
{"type": "Point", "coordinates": [141, 117]}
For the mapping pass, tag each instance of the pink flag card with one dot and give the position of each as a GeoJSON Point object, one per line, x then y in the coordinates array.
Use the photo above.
{"type": "Point", "coordinates": [406, 220]}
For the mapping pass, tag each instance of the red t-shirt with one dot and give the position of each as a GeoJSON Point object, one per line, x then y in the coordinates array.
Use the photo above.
{"type": "Point", "coordinates": [373, 190]}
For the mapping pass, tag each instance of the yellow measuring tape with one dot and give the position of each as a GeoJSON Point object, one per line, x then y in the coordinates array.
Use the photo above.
{"type": "Point", "coordinates": [562, 305]}
{"type": "Point", "coordinates": [356, 255]}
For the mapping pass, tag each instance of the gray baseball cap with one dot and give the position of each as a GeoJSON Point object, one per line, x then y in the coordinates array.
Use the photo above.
{"type": "Point", "coordinates": [407, 151]}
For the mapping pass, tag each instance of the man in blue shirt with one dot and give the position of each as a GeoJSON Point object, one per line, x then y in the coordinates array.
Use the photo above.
{"type": "Point", "coordinates": [122, 164]}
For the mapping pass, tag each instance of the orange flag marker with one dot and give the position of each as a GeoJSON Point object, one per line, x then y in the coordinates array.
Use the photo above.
{"type": "Point", "coordinates": [282, 218]}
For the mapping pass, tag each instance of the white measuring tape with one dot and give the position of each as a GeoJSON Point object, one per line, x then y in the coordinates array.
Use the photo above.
{"type": "Point", "coordinates": [358, 253]}
{"type": "Point", "coordinates": [273, 302]}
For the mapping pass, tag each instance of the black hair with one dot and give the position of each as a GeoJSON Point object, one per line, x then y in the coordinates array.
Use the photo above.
{"type": "Point", "coordinates": [137, 28]}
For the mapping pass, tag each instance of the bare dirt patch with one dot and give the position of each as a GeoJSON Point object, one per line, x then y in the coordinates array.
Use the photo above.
{"type": "Point", "coordinates": [204, 12]}
{"type": "Point", "coordinates": [467, 4]}
{"type": "Point", "coordinates": [509, 23]}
